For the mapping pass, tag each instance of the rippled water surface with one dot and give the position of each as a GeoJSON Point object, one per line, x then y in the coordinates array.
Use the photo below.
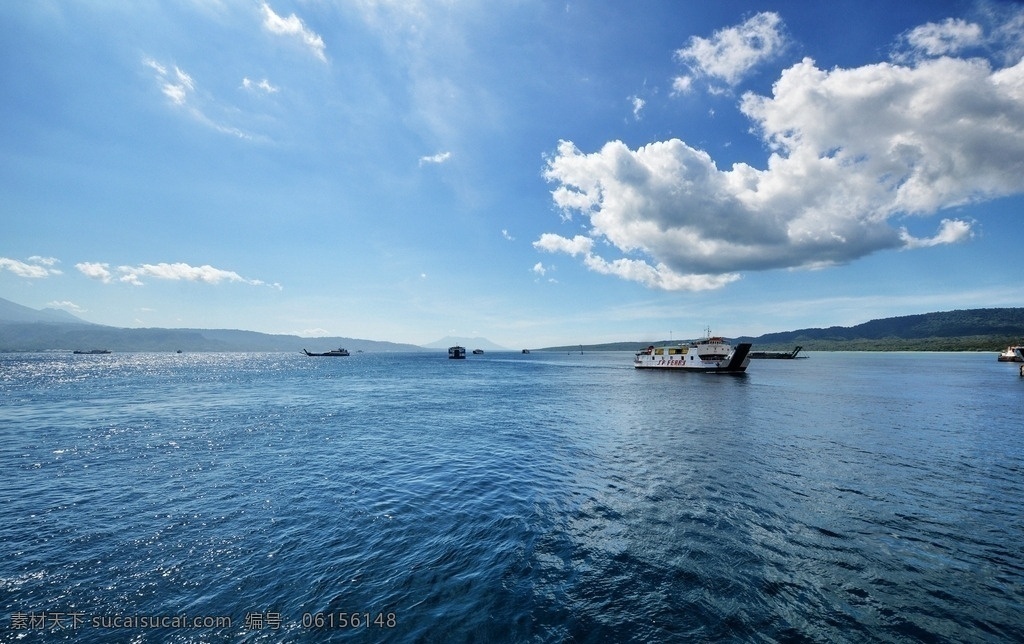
{"type": "Point", "coordinates": [542, 497]}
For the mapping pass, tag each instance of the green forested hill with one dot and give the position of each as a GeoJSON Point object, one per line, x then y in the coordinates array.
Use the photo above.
{"type": "Point", "coordinates": [962, 330]}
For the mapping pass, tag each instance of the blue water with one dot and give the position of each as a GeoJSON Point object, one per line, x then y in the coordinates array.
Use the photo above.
{"type": "Point", "coordinates": [849, 497]}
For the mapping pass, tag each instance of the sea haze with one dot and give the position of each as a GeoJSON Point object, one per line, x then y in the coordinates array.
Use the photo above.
{"type": "Point", "coordinates": [546, 497]}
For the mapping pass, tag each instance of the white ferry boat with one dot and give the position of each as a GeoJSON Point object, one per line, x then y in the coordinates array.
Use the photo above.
{"type": "Point", "coordinates": [1010, 355]}
{"type": "Point", "coordinates": [710, 355]}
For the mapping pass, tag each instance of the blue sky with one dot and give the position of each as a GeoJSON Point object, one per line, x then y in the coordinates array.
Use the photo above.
{"type": "Point", "coordinates": [536, 173]}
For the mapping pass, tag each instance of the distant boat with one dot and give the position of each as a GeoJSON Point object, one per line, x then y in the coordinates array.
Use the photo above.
{"type": "Point", "coordinates": [710, 355]}
{"type": "Point", "coordinates": [331, 353]}
{"type": "Point", "coordinates": [456, 353]}
{"type": "Point", "coordinates": [1011, 355]}
{"type": "Point", "coordinates": [92, 352]}
{"type": "Point", "coordinates": [526, 350]}
{"type": "Point", "coordinates": [478, 352]}
{"type": "Point", "coordinates": [778, 355]}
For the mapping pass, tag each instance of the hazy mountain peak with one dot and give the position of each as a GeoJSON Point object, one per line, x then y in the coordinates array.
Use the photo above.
{"type": "Point", "coordinates": [11, 312]}
{"type": "Point", "coordinates": [469, 343]}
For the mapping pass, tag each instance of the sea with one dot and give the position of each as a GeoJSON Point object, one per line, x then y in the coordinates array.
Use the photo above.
{"type": "Point", "coordinates": [508, 497]}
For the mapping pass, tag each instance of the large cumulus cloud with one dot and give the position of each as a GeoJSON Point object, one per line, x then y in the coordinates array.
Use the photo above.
{"type": "Point", "coordinates": [853, 153]}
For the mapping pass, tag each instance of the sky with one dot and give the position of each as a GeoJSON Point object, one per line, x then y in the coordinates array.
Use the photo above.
{"type": "Point", "coordinates": [536, 173]}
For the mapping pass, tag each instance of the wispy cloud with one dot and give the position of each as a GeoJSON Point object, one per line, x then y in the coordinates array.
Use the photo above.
{"type": "Point", "coordinates": [949, 37]}
{"type": "Point", "coordinates": [260, 86]}
{"type": "Point", "coordinates": [180, 88]}
{"type": "Point", "coordinates": [176, 86]}
{"type": "Point", "coordinates": [638, 106]}
{"type": "Point", "coordinates": [682, 85]}
{"type": "Point", "coordinates": [293, 27]}
{"type": "Point", "coordinates": [541, 271]}
{"type": "Point", "coordinates": [507, 235]}
{"type": "Point", "coordinates": [997, 31]}
{"type": "Point", "coordinates": [35, 268]}
{"type": "Point", "coordinates": [176, 272]}
{"type": "Point", "coordinates": [852, 152]}
{"type": "Point", "coordinates": [951, 231]}
{"type": "Point", "coordinates": [438, 158]}
{"type": "Point", "coordinates": [730, 53]}
{"type": "Point", "coordinates": [66, 305]}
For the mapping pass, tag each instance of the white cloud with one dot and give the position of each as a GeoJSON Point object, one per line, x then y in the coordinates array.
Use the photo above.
{"type": "Point", "coordinates": [180, 88]}
{"type": "Point", "coordinates": [949, 37]}
{"type": "Point", "coordinates": [638, 106]}
{"type": "Point", "coordinates": [35, 268]}
{"type": "Point", "coordinates": [293, 27]}
{"type": "Point", "coordinates": [67, 306]}
{"type": "Point", "coordinates": [539, 269]}
{"type": "Point", "coordinates": [578, 245]}
{"type": "Point", "coordinates": [951, 231]}
{"type": "Point", "coordinates": [262, 86]}
{"type": "Point", "coordinates": [95, 270]}
{"type": "Point", "coordinates": [997, 33]}
{"type": "Point", "coordinates": [682, 85]}
{"type": "Point", "coordinates": [177, 86]}
{"type": "Point", "coordinates": [507, 235]}
{"type": "Point", "coordinates": [1008, 25]}
{"type": "Point", "coordinates": [438, 158]}
{"type": "Point", "coordinates": [852, 150]}
{"type": "Point", "coordinates": [732, 52]}
{"type": "Point", "coordinates": [177, 272]}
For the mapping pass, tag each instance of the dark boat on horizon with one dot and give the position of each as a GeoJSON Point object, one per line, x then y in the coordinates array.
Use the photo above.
{"type": "Point", "coordinates": [778, 355]}
{"type": "Point", "coordinates": [331, 353]}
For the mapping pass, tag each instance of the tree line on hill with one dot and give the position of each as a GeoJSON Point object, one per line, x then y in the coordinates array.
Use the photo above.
{"type": "Point", "coordinates": [961, 330]}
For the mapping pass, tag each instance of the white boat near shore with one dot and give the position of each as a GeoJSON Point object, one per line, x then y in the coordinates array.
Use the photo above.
{"type": "Point", "coordinates": [710, 355]}
{"type": "Point", "coordinates": [1011, 354]}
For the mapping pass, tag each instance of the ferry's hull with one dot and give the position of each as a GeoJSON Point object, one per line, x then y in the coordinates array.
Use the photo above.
{"type": "Point", "coordinates": [735, 361]}
{"type": "Point", "coordinates": [1010, 355]}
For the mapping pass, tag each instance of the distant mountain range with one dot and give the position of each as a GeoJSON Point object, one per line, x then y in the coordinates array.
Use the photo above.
{"type": "Point", "coordinates": [26, 329]}
{"type": "Point", "coordinates": [11, 312]}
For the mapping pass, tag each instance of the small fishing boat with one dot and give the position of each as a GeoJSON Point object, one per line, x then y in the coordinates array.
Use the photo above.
{"type": "Point", "coordinates": [331, 353]}
{"type": "Point", "coordinates": [456, 353]}
{"type": "Point", "coordinates": [478, 352]}
{"type": "Point", "coordinates": [709, 355]}
{"type": "Point", "coordinates": [92, 352]}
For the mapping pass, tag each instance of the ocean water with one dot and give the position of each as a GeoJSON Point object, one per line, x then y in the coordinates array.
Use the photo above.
{"type": "Point", "coordinates": [848, 497]}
